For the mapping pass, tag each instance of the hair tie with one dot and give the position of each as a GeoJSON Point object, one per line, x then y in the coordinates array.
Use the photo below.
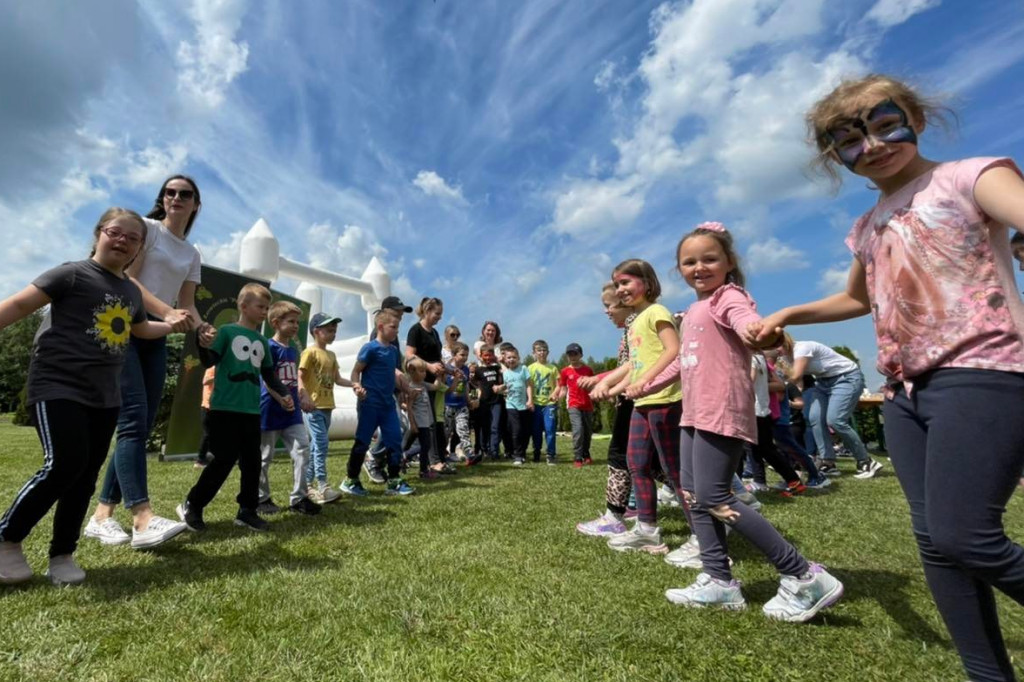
{"type": "Point", "coordinates": [713, 226]}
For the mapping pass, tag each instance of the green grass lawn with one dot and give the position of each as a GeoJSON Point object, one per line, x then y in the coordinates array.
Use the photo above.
{"type": "Point", "coordinates": [478, 577]}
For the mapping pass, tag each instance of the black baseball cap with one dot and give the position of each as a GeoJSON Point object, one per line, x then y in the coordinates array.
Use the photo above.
{"type": "Point", "coordinates": [395, 303]}
{"type": "Point", "coordinates": [574, 348]}
{"type": "Point", "coordinates": [322, 320]}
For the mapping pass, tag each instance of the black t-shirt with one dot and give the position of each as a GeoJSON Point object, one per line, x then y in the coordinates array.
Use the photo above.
{"type": "Point", "coordinates": [79, 349]}
{"type": "Point", "coordinates": [486, 377]}
{"type": "Point", "coordinates": [427, 345]}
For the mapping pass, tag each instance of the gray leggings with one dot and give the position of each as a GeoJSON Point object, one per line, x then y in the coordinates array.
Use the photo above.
{"type": "Point", "coordinates": [957, 444]}
{"type": "Point", "coordinates": [707, 462]}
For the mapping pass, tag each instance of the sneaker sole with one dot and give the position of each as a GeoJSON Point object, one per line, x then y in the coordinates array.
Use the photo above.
{"type": "Point", "coordinates": [725, 606]}
{"type": "Point", "coordinates": [650, 549]}
{"type": "Point", "coordinates": [104, 540]}
{"type": "Point", "coordinates": [154, 542]}
{"type": "Point", "coordinates": [826, 601]}
{"type": "Point", "coordinates": [239, 522]}
{"type": "Point", "coordinates": [596, 533]}
{"type": "Point", "coordinates": [57, 582]}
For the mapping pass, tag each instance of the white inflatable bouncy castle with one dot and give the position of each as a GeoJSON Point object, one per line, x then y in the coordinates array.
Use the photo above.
{"type": "Point", "coordinates": [261, 258]}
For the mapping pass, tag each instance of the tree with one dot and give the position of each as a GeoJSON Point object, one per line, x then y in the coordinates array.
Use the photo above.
{"type": "Point", "coordinates": [15, 352]}
{"type": "Point", "coordinates": [847, 352]}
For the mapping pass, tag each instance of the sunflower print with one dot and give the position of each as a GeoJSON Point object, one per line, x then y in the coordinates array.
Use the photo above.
{"type": "Point", "coordinates": [112, 325]}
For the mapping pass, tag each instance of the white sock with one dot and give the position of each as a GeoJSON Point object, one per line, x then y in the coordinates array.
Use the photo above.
{"type": "Point", "coordinates": [646, 528]}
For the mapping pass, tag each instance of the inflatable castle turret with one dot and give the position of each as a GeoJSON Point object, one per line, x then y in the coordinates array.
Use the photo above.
{"type": "Point", "coordinates": [261, 258]}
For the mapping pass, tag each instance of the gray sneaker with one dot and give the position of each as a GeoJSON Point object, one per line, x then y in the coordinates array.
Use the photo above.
{"type": "Point", "coordinates": [637, 539]}
{"type": "Point", "coordinates": [13, 567]}
{"type": "Point", "coordinates": [800, 599]}
{"type": "Point", "coordinates": [64, 571]}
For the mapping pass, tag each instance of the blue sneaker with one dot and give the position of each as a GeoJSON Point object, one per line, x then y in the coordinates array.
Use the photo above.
{"type": "Point", "coordinates": [399, 487]}
{"type": "Point", "coordinates": [350, 487]}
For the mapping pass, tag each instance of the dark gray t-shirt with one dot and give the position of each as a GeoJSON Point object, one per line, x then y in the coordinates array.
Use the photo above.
{"type": "Point", "coordinates": [79, 355]}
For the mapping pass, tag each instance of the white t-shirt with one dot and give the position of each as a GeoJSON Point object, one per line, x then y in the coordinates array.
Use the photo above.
{"type": "Point", "coordinates": [822, 361]}
{"type": "Point", "coordinates": [170, 262]}
{"type": "Point", "coordinates": [761, 396]}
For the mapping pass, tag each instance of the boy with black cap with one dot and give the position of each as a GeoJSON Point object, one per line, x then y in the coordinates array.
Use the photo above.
{"type": "Point", "coordinates": [581, 409]}
{"type": "Point", "coordinates": [318, 373]}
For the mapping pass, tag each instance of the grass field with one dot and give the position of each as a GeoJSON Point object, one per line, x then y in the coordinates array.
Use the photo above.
{"type": "Point", "coordinates": [477, 577]}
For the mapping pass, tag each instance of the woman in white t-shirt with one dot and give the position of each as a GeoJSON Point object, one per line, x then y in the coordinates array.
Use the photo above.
{"type": "Point", "coordinates": [167, 271]}
{"type": "Point", "coordinates": [840, 383]}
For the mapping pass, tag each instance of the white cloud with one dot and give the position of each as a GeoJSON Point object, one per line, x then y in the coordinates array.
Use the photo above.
{"type": "Point", "coordinates": [347, 251]}
{"type": "Point", "coordinates": [210, 63]}
{"type": "Point", "coordinates": [771, 255]}
{"type": "Point", "coordinates": [443, 283]}
{"type": "Point", "coordinates": [222, 254]}
{"type": "Point", "coordinates": [888, 13]}
{"type": "Point", "coordinates": [833, 280]}
{"type": "Point", "coordinates": [597, 206]}
{"type": "Point", "coordinates": [418, 263]}
{"type": "Point", "coordinates": [434, 185]}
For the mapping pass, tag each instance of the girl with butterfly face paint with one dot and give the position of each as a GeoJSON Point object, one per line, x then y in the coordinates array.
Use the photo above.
{"type": "Point", "coordinates": [932, 266]}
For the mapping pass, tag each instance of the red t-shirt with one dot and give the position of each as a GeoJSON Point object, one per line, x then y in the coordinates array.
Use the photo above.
{"type": "Point", "coordinates": [578, 398]}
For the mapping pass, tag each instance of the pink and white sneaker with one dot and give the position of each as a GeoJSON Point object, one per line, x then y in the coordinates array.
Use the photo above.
{"type": "Point", "coordinates": [604, 525]}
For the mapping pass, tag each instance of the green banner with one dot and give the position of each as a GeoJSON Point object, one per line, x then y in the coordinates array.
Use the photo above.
{"type": "Point", "coordinates": [216, 301]}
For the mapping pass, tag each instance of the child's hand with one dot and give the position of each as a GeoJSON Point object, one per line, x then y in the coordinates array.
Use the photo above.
{"type": "Point", "coordinates": [501, 388]}
{"type": "Point", "coordinates": [529, 405]}
{"type": "Point", "coordinates": [359, 390]}
{"type": "Point", "coordinates": [634, 391]}
{"type": "Point", "coordinates": [180, 321]}
{"type": "Point", "coordinates": [587, 383]}
{"type": "Point", "coordinates": [305, 404]}
{"type": "Point", "coordinates": [765, 333]}
{"type": "Point", "coordinates": [206, 335]}
{"type": "Point", "coordinates": [288, 404]}
{"type": "Point", "coordinates": [600, 392]}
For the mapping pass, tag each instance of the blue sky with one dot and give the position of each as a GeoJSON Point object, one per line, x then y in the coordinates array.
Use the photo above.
{"type": "Point", "coordinates": [502, 156]}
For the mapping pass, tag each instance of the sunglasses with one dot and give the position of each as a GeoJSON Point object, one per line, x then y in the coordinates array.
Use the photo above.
{"type": "Point", "coordinates": [183, 194]}
{"type": "Point", "coordinates": [454, 335]}
{"type": "Point", "coordinates": [116, 235]}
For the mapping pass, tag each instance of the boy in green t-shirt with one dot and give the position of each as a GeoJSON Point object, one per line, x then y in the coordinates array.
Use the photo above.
{"type": "Point", "coordinates": [545, 410]}
{"type": "Point", "coordinates": [242, 356]}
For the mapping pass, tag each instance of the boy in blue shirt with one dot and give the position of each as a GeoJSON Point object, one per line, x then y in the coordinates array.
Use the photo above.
{"type": "Point", "coordinates": [374, 381]}
{"type": "Point", "coordinates": [276, 422]}
{"type": "Point", "coordinates": [518, 402]}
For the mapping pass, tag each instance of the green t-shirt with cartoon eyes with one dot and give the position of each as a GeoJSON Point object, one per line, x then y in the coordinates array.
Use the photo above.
{"type": "Point", "coordinates": [236, 385]}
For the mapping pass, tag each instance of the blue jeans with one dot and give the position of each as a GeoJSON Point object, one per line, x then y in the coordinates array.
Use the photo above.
{"type": "Point", "coordinates": [957, 445]}
{"type": "Point", "coordinates": [142, 385]}
{"type": "Point", "coordinates": [496, 411]}
{"type": "Point", "coordinates": [833, 407]}
{"type": "Point", "coordinates": [789, 446]}
{"type": "Point", "coordinates": [319, 423]}
{"type": "Point", "coordinates": [544, 425]}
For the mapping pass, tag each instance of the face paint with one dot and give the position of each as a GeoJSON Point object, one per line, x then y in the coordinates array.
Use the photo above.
{"type": "Point", "coordinates": [885, 122]}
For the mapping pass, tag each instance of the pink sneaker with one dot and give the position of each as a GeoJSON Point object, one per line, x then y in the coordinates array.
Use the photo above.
{"type": "Point", "coordinates": [604, 525]}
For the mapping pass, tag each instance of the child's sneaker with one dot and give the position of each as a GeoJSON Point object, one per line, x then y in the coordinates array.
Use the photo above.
{"type": "Point", "coordinates": [828, 468]}
{"type": "Point", "coordinates": [687, 555]}
{"type": "Point", "coordinates": [793, 488]}
{"type": "Point", "coordinates": [64, 571]}
{"type": "Point", "coordinates": [373, 470]}
{"type": "Point", "coordinates": [13, 567]}
{"type": "Point", "coordinates": [578, 463]}
{"type": "Point", "coordinates": [631, 514]}
{"type": "Point", "coordinates": [604, 525]}
{"type": "Point", "coordinates": [475, 459]}
{"type": "Point", "coordinates": [518, 462]}
{"type": "Point", "coordinates": [587, 460]}
{"type": "Point", "coordinates": [306, 507]}
{"type": "Point", "coordinates": [819, 482]}
{"type": "Point", "coordinates": [551, 461]}
{"type": "Point", "coordinates": [193, 518]}
{"type": "Point", "coordinates": [267, 507]}
{"type": "Point", "coordinates": [399, 487]}
{"type": "Point", "coordinates": [638, 539]}
{"type": "Point", "coordinates": [708, 591]}
{"type": "Point", "coordinates": [667, 497]}
{"type": "Point", "coordinates": [868, 468]}
{"type": "Point", "coordinates": [329, 494]}
{"type": "Point", "coordinates": [251, 520]}
{"type": "Point", "coordinates": [108, 531]}
{"type": "Point", "coordinates": [159, 531]}
{"type": "Point", "coordinates": [429, 474]}
{"type": "Point", "coordinates": [800, 599]}
{"type": "Point", "coordinates": [351, 487]}
{"type": "Point", "coordinates": [757, 487]}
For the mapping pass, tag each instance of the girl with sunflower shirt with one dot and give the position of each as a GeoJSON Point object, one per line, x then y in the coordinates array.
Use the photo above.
{"type": "Point", "coordinates": [74, 390]}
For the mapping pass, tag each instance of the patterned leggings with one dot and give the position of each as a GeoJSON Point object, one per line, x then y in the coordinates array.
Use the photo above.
{"type": "Point", "coordinates": [653, 429]}
{"type": "Point", "coordinates": [456, 420]}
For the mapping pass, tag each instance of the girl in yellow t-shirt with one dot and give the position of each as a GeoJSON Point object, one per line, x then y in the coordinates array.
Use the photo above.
{"type": "Point", "coordinates": [653, 343]}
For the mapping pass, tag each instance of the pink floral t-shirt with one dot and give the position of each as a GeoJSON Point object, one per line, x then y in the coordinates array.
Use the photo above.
{"type": "Point", "coordinates": [941, 295]}
{"type": "Point", "coordinates": [713, 366]}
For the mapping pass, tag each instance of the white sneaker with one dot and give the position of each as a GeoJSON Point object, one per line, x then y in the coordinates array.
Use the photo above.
{"type": "Point", "coordinates": [800, 599]}
{"type": "Point", "coordinates": [708, 591]}
{"type": "Point", "coordinates": [13, 567]}
{"type": "Point", "coordinates": [667, 497]}
{"type": "Point", "coordinates": [159, 531]}
{"type": "Point", "coordinates": [108, 531]}
{"type": "Point", "coordinates": [868, 469]}
{"type": "Point", "coordinates": [687, 555]}
{"type": "Point", "coordinates": [64, 571]}
{"type": "Point", "coordinates": [637, 539]}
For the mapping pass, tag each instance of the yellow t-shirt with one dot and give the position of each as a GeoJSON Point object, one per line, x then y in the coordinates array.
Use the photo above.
{"type": "Point", "coordinates": [321, 366]}
{"type": "Point", "coordinates": [644, 349]}
{"type": "Point", "coordinates": [545, 379]}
